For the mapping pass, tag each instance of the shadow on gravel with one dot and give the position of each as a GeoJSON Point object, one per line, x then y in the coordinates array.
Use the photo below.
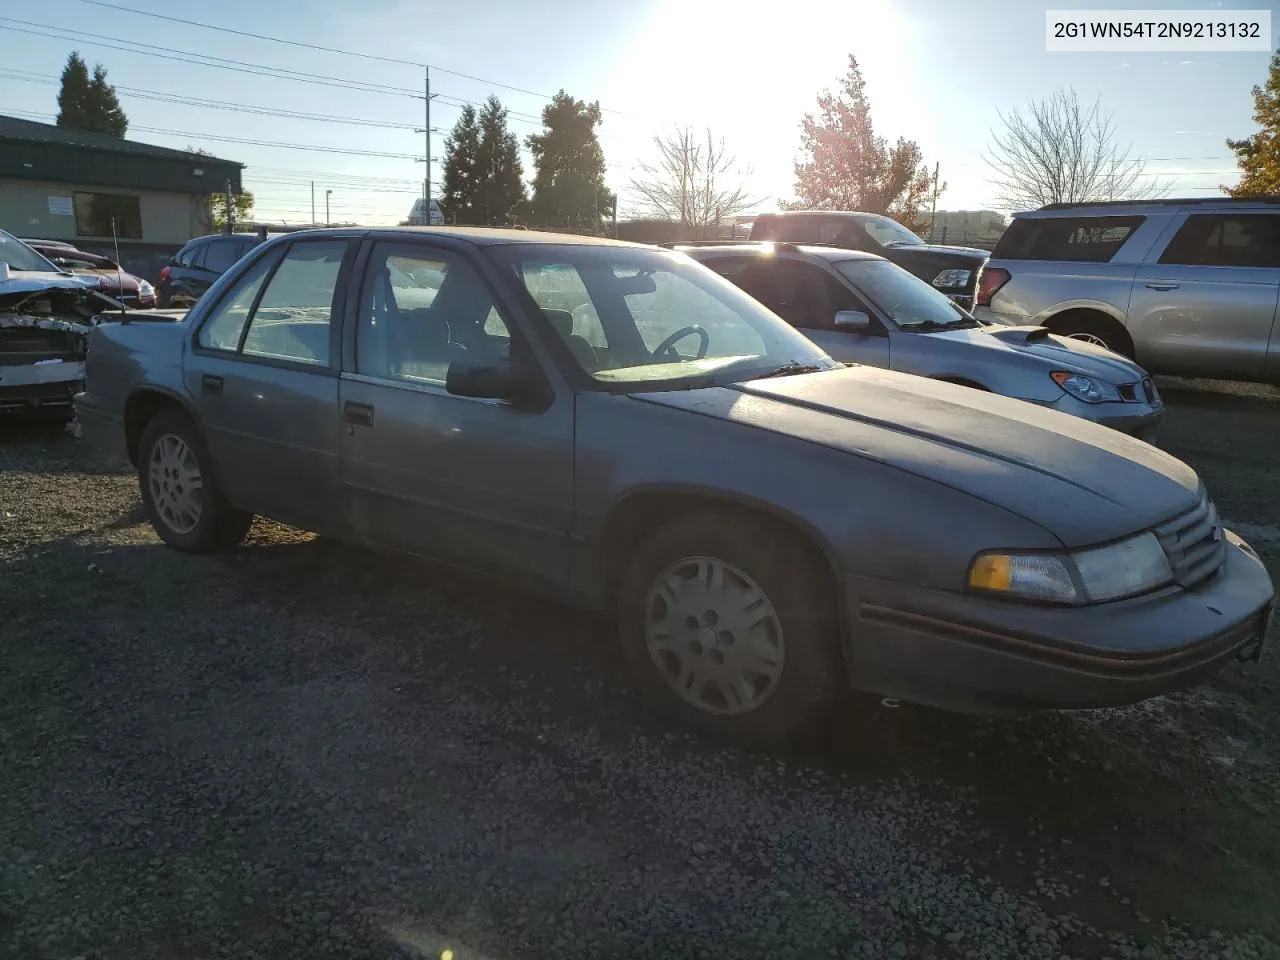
{"type": "Point", "coordinates": [1123, 805]}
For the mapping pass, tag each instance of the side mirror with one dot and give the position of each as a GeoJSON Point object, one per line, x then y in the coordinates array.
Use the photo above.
{"type": "Point", "coordinates": [513, 382]}
{"type": "Point", "coordinates": [852, 321]}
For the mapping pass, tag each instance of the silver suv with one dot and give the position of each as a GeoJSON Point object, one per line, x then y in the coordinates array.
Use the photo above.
{"type": "Point", "coordinates": [1185, 287]}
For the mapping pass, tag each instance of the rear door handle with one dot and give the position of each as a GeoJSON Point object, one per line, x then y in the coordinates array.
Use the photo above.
{"type": "Point", "coordinates": [360, 414]}
{"type": "Point", "coordinates": [211, 383]}
{"type": "Point", "coordinates": [1161, 285]}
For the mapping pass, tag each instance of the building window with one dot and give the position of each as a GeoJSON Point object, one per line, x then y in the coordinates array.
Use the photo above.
{"type": "Point", "coordinates": [95, 211]}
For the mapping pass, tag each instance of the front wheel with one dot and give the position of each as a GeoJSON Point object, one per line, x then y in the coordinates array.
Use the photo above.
{"type": "Point", "coordinates": [729, 629]}
{"type": "Point", "coordinates": [179, 492]}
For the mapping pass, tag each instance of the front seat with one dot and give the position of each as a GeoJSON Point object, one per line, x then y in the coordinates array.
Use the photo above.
{"type": "Point", "coordinates": [583, 352]}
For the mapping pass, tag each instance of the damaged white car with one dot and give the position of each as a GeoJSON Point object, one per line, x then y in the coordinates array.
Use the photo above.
{"type": "Point", "coordinates": [45, 319]}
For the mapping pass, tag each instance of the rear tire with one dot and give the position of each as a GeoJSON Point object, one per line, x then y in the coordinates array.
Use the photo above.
{"type": "Point", "coordinates": [179, 491]}
{"type": "Point", "coordinates": [729, 628]}
{"type": "Point", "coordinates": [1093, 328]}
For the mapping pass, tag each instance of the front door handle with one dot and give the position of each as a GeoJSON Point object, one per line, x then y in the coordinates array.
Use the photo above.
{"type": "Point", "coordinates": [1161, 285]}
{"type": "Point", "coordinates": [360, 414]}
{"type": "Point", "coordinates": [211, 383]}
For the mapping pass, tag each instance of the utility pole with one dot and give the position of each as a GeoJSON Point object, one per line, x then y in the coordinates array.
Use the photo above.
{"type": "Point", "coordinates": [426, 135]}
{"type": "Point", "coordinates": [933, 213]}
{"type": "Point", "coordinates": [229, 225]}
{"type": "Point", "coordinates": [326, 207]}
{"type": "Point", "coordinates": [313, 203]}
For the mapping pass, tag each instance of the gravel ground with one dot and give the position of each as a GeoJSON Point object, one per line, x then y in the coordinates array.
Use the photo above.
{"type": "Point", "coordinates": [308, 750]}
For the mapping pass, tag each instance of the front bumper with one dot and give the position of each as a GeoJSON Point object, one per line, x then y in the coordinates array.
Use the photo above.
{"type": "Point", "coordinates": [39, 387]}
{"type": "Point", "coordinates": [971, 653]}
{"type": "Point", "coordinates": [1132, 417]}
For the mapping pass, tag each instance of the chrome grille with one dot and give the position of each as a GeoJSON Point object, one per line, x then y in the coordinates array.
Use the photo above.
{"type": "Point", "coordinates": [1193, 543]}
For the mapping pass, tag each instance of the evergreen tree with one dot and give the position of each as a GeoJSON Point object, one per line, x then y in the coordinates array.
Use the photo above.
{"type": "Point", "coordinates": [501, 186]}
{"type": "Point", "coordinates": [462, 150]}
{"type": "Point", "coordinates": [1259, 155]}
{"type": "Point", "coordinates": [500, 192]}
{"type": "Point", "coordinates": [89, 103]}
{"type": "Point", "coordinates": [73, 98]}
{"type": "Point", "coordinates": [569, 190]}
{"type": "Point", "coordinates": [847, 167]}
{"type": "Point", "coordinates": [105, 105]}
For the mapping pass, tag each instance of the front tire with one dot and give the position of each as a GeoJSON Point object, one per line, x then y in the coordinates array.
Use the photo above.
{"type": "Point", "coordinates": [729, 628]}
{"type": "Point", "coordinates": [181, 496]}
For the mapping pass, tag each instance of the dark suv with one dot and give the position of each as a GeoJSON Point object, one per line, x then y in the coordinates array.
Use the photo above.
{"type": "Point", "coordinates": [202, 261]}
{"type": "Point", "coordinates": [952, 271]}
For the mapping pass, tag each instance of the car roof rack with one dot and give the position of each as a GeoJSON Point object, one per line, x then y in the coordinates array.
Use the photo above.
{"type": "Point", "coordinates": [1162, 201]}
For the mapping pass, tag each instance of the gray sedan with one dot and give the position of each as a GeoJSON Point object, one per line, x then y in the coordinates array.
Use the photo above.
{"type": "Point", "coordinates": [762, 522]}
{"type": "Point", "coordinates": [861, 308]}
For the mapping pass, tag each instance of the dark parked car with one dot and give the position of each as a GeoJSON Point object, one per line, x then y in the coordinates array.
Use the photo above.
{"type": "Point", "coordinates": [198, 264]}
{"type": "Point", "coordinates": [762, 522]}
{"type": "Point", "coordinates": [951, 270]}
{"type": "Point", "coordinates": [861, 308]}
{"type": "Point", "coordinates": [111, 278]}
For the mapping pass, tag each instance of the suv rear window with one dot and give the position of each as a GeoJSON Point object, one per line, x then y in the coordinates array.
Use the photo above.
{"type": "Point", "coordinates": [1093, 239]}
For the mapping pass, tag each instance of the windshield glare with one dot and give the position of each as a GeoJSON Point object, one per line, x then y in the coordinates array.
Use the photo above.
{"type": "Point", "coordinates": [888, 232]}
{"type": "Point", "coordinates": [636, 316]}
{"type": "Point", "coordinates": [906, 299]}
{"type": "Point", "coordinates": [20, 257]}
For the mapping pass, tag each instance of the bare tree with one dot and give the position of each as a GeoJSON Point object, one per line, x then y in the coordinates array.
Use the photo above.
{"type": "Point", "coordinates": [694, 183]}
{"type": "Point", "coordinates": [1060, 151]}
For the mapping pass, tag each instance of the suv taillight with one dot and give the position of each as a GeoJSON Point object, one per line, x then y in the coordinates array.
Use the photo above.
{"type": "Point", "coordinates": [164, 274]}
{"type": "Point", "coordinates": [990, 280]}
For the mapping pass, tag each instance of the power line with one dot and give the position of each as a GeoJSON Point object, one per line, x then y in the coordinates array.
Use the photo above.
{"type": "Point", "coordinates": [256, 143]}
{"type": "Point", "coordinates": [324, 49]}
{"type": "Point", "coordinates": [222, 63]}
{"type": "Point", "coordinates": [157, 95]}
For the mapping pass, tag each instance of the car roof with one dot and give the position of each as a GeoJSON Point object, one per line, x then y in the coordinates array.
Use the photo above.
{"type": "Point", "coordinates": [1121, 208]}
{"type": "Point", "coordinates": [480, 236]}
{"type": "Point", "coordinates": [851, 214]}
{"type": "Point", "coordinates": [759, 248]}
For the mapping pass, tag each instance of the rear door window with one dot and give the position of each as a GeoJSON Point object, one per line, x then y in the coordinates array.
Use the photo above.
{"type": "Point", "coordinates": [1087, 239]}
{"type": "Point", "coordinates": [1226, 240]}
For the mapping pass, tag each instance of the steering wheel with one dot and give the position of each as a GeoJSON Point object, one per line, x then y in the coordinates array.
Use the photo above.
{"type": "Point", "coordinates": [666, 345]}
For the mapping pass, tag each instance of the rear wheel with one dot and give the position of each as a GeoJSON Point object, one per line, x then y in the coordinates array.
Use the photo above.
{"type": "Point", "coordinates": [179, 492]}
{"type": "Point", "coordinates": [729, 628]}
{"type": "Point", "coordinates": [1100, 330]}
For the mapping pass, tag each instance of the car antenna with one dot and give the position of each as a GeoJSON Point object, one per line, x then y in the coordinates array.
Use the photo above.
{"type": "Point", "coordinates": [115, 242]}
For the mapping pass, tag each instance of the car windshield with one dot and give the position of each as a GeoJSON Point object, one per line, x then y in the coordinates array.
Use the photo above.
{"type": "Point", "coordinates": [21, 257]}
{"type": "Point", "coordinates": [906, 299]}
{"type": "Point", "coordinates": [656, 318]}
{"type": "Point", "coordinates": [890, 233]}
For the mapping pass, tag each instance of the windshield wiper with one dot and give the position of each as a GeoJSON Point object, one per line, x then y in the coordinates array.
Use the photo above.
{"type": "Point", "coordinates": [939, 324]}
{"type": "Point", "coordinates": [789, 368]}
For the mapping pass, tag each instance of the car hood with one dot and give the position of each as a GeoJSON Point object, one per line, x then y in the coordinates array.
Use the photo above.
{"type": "Point", "coordinates": [1082, 482]}
{"type": "Point", "coordinates": [1037, 346]}
{"type": "Point", "coordinates": [27, 284]}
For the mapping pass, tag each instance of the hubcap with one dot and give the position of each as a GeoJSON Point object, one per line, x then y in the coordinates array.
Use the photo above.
{"type": "Point", "coordinates": [1088, 338]}
{"type": "Point", "coordinates": [714, 636]}
{"type": "Point", "coordinates": [177, 490]}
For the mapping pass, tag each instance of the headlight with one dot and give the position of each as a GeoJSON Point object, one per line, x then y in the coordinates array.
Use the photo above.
{"type": "Point", "coordinates": [1088, 389]}
{"type": "Point", "coordinates": [145, 289]}
{"type": "Point", "coordinates": [952, 278]}
{"type": "Point", "coordinates": [1123, 569]}
{"type": "Point", "coordinates": [1098, 574]}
